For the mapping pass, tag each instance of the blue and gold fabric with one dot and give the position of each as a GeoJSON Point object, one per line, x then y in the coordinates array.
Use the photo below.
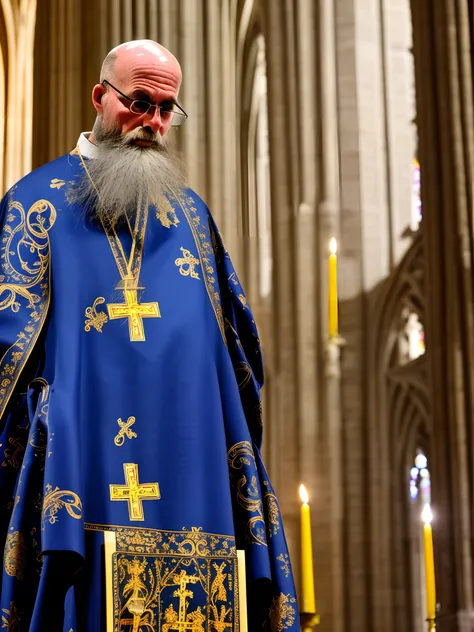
{"type": "Point", "coordinates": [130, 372]}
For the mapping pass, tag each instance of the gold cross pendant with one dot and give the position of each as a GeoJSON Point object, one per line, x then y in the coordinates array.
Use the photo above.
{"type": "Point", "coordinates": [134, 492]}
{"type": "Point", "coordinates": [135, 312]}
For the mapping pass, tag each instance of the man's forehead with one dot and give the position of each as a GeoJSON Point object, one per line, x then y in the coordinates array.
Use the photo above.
{"type": "Point", "coordinates": [142, 55]}
{"type": "Point", "coordinates": [147, 61]}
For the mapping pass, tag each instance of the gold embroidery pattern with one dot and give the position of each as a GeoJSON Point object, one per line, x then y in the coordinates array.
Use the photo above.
{"type": "Point", "coordinates": [282, 613]}
{"type": "Point", "coordinates": [15, 555]}
{"type": "Point", "coordinates": [174, 580]}
{"type": "Point", "coordinates": [94, 318]}
{"type": "Point", "coordinates": [243, 373]}
{"type": "Point", "coordinates": [57, 499]}
{"type": "Point", "coordinates": [56, 183]}
{"type": "Point", "coordinates": [284, 558]}
{"type": "Point", "coordinates": [183, 543]}
{"type": "Point", "coordinates": [245, 483]}
{"type": "Point", "coordinates": [125, 431]}
{"type": "Point", "coordinates": [166, 213]}
{"type": "Point", "coordinates": [233, 278]}
{"type": "Point", "coordinates": [241, 458]}
{"type": "Point", "coordinates": [15, 451]}
{"type": "Point", "coordinates": [187, 263]}
{"type": "Point", "coordinates": [188, 591]}
{"type": "Point", "coordinates": [273, 511]}
{"type": "Point", "coordinates": [202, 239]}
{"type": "Point", "coordinates": [11, 619]}
{"type": "Point", "coordinates": [243, 300]}
{"type": "Point", "coordinates": [134, 492]}
{"type": "Point", "coordinates": [25, 254]}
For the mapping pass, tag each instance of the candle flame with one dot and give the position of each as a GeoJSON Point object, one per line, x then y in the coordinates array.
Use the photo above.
{"type": "Point", "coordinates": [333, 246]}
{"type": "Point", "coordinates": [426, 514]}
{"type": "Point", "coordinates": [303, 494]}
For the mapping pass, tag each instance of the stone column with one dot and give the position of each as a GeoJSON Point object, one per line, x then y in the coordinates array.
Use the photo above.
{"type": "Point", "coordinates": [443, 65]}
{"type": "Point", "coordinates": [193, 94]}
{"type": "Point", "coordinates": [331, 450]}
{"type": "Point", "coordinates": [283, 436]}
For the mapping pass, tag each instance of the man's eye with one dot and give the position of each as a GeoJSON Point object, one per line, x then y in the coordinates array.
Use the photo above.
{"type": "Point", "coordinates": [140, 107]}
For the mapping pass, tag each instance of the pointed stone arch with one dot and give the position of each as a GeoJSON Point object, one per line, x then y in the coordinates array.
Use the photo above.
{"type": "Point", "coordinates": [398, 423]}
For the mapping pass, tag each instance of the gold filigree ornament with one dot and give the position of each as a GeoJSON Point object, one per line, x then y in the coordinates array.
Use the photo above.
{"type": "Point", "coordinates": [166, 213]}
{"type": "Point", "coordinates": [24, 259]}
{"type": "Point", "coordinates": [137, 594]}
{"type": "Point", "coordinates": [187, 263]}
{"type": "Point", "coordinates": [15, 555]}
{"type": "Point", "coordinates": [57, 499]}
{"type": "Point", "coordinates": [284, 558]}
{"type": "Point", "coordinates": [202, 239]}
{"type": "Point", "coordinates": [244, 302]}
{"type": "Point", "coordinates": [34, 238]}
{"type": "Point", "coordinates": [11, 618]}
{"type": "Point", "coordinates": [125, 431]}
{"type": "Point", "coordinates": [56, 183]}
{"type": "Point", "coordinates": [273, 513]}
{"type": "Point", "coordinates": [282, 613]}
{"type": "Point", "coordinates": [241, 457]}
{"type": "Point", "coordinates": [15, 451]}
{"type": "Point", "coordinates": [94, 318]}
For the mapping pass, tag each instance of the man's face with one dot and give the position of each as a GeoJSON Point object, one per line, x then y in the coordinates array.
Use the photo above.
{"type": "Point", "coordinates": [143, 75]}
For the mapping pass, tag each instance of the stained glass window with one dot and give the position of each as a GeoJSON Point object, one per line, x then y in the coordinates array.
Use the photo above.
{"type": "Point", "coordinates": [420, 484]}
{"type": "Point", "coordinates": [416, 196]}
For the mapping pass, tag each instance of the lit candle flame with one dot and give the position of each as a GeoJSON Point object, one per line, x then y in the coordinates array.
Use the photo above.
{"type": "Point", "coordinates": [426, 514]}
{"type": "Point", "coordinates": [333, 246]}
{"type": "Point", "coordinates": [303, 494]}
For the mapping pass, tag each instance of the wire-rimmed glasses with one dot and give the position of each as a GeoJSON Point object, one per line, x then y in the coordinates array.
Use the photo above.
{"type": "Point", "coordinates": [167, 110]}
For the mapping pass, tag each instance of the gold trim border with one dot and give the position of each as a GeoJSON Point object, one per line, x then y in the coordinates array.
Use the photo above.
{"type": "Point", "coordinates": [30, 346]}
{"type": "Point", "coordinates": [110, 547]}
{"type": "Point", "coordinates": [212, 286]}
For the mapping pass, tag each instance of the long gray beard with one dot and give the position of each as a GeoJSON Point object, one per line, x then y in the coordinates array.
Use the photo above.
{"type": "Point", "coordinates": [123, 174]}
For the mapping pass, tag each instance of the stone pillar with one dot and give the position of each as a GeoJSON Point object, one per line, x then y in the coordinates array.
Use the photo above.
{"type": "Point", "coordinates": [443, 65]}
{"type": "Point", "coordinates": [193, 94]}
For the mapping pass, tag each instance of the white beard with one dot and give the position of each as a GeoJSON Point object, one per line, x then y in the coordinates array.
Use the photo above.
{"type": "Point", "coordinates": [123, 174]}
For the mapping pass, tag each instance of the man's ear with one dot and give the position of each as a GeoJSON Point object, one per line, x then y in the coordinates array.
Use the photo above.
{"type": "Point", "coordinates": [97, 95]}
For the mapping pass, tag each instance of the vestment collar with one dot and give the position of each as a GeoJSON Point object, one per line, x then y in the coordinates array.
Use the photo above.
{"type": "Point", "coordinates": [87, 149]}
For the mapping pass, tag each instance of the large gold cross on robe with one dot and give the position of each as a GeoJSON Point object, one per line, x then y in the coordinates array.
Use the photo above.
{"type": "Point", "coordinates": [135, 312]}
{"type": "Point", "coordinates": [134, 492]}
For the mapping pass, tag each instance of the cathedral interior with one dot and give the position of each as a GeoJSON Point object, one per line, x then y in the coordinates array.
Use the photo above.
{"type": "Point", "coordinates": [311, 121]}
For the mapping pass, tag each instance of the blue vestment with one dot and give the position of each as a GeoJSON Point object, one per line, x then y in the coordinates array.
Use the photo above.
{"type": "Point", "coordinates": [131, 410]}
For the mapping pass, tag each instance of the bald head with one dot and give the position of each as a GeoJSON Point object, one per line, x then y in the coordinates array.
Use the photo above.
{"type": "Point", "coordinates": [137, 50]}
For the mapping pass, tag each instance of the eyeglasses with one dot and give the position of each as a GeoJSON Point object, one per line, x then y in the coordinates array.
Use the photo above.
{"type": "Point", "coordinates": [168, 111]}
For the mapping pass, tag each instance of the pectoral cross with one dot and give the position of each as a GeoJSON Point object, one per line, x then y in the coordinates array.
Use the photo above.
{"type": "Point", "coordinates": [134, 492]}
{"type": "Point", "coordinates": [135, 312]}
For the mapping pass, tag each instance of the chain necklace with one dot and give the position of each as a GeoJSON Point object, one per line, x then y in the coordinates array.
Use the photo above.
{"type": "Point", "coordinates": [129, 270]}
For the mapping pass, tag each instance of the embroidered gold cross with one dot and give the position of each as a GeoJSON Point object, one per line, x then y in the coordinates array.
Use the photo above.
{"type": "Point", "coordinates": [135, 312]}
{"type": "Point", "coordinates": [134, 492]}
{"type": "Point", "coordinates": [125, 431]}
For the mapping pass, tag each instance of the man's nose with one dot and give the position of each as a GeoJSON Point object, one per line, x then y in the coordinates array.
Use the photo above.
{"type": "Point", "coordinates": [152, 119]}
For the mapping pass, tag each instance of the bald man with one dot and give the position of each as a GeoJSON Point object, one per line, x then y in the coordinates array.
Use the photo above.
{"type": "Point", "coordinates": [133, 493]}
